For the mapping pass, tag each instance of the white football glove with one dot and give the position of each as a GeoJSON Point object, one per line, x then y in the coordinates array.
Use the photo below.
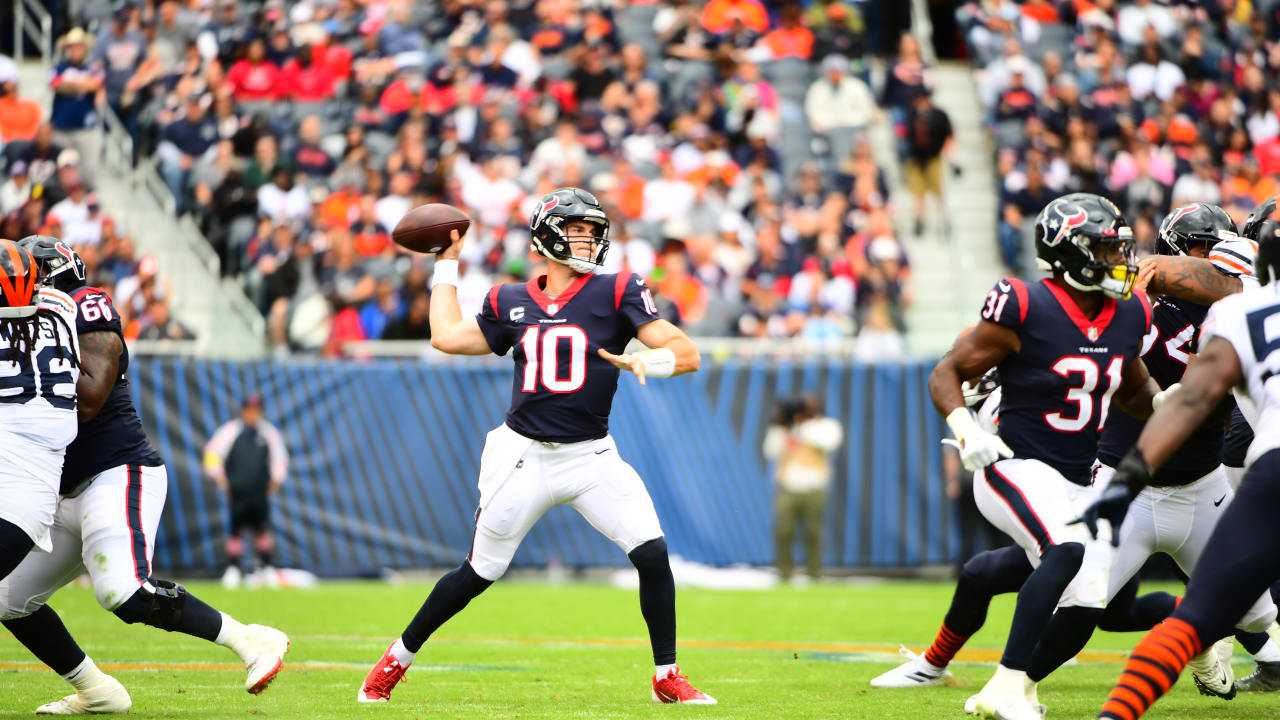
{"type": "Point", "coordinates": [1164, 395]}
{"type": "Point", "coordinates": [978, 448]}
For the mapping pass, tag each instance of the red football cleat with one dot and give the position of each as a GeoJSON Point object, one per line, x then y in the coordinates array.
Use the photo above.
{"type": "Point", "coordinates": [382, 679]}
{"type": "Point", "coordinates": [675, 688]}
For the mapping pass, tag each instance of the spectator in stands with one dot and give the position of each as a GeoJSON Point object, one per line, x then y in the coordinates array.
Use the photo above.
{"type": "Point", "coordinates": [799, 443]}
{"type": "Point", "coordinates": [183, 144]}
{"type": "Point", "coordinates": [120, 50]}
{"type": "Point", "coordinates": [908, 77]}
{"type": "Point", "coordinates": [719, 17]}
{"type": "Point", "coordinates": [19, 116]}
{"type": "Point", "coordinates": [414, 323]}
{"type": "Point", "coordinates": [309, 158]}
{"type": "Point", "coordinates": [839, 107]}
{"type": "Point", "coordinates": [281, 199]}
{"type": "Point", "coordinates": [158, 324]}
{"type": "Point", "coordinates": [304, 80]}
{"type": "Point", "coordinates": [172, 37]}
{"type": "Point", "coordinates": [16, 190]}
{"type": "Point", "coordinates": [78, 88]}
{"type": "Point", "coordinates": [791, 39]}
{"type": "Point", "coordinates": [254, 78]}
{"type": "Point", "coordinates": [928, 142]}
{"type": "Point", "coordinates": [1134, 18]}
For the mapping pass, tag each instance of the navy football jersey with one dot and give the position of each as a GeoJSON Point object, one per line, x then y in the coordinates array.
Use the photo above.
{"type": "Point", "coordinates": [1056, 391]}
{"type": "Point", "coordinates": [563, 390]}
{"type": "Point", "coordinates": [1166, 351]}
{"type": "Point", "coordinates": [114, 436]}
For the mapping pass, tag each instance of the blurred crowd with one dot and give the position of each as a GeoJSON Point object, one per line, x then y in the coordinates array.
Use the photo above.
{"type": "Point", "coordinates": [46, 186]}
{"type": "Point", "coordinates": [1154, 105]}
{"type": "Point", "coordinates": [727, 139]}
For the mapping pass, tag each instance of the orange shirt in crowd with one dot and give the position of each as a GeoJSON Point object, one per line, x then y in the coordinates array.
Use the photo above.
{"type": "Point", "coordinates": [19, 118]}
{"type": "Point", "coordinates": [796, 42]}
{"type": "Point", "coordinates": [718, 16]}
{"type": "Point", "coordinates": [340, 209]}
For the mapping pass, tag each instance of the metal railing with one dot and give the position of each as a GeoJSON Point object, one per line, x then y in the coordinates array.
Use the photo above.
{"type": "Point", "coordinates": [32, 20]}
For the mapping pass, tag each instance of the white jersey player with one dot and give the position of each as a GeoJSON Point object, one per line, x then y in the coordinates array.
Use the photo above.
{"type": "Point", "coordinates": [38, 373]}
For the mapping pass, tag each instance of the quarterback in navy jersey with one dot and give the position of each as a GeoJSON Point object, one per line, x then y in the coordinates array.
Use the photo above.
{"type": "Point", "coordinates": [1066, 348]}
{"type": "Point", "coordinates": [113, 486]}
{"type": "Point", "coordinates": [567, 332]}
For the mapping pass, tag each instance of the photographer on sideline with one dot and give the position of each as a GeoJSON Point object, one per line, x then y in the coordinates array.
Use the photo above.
{"type": "Point", "coordinates": [800, 441]}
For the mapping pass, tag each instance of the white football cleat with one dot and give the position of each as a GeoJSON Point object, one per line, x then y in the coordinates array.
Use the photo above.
{"type": "Point", "coordinates": [108, 696]}
{"type": "Point", "coordinates": [1004, 697]}
{"type": "Point", "coordinates": [1212, 673]}
{"type": "Point", "coordinates": [915, 672]}
{"type": "Point", "coordinates": [270, 645]}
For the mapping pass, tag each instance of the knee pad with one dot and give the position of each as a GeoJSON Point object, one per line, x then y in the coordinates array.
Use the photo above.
{"type": "Point", "coordinates": [651, 556]}
{"type": "Point", "coordinates": [265, 542]}
{"type": "Point", "coordinates": [157, 603]}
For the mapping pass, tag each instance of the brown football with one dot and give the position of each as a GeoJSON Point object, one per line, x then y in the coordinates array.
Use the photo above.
{"type": "Point", "coordinates": [425, 229]}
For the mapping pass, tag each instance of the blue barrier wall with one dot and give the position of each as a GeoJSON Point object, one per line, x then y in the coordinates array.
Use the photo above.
{"type": "Point", "coordinates": [385, 456]}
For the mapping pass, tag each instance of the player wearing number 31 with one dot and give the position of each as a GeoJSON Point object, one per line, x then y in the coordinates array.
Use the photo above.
{"type": "Point", "coordinates": [1066, 348]}
{"type": "Point", "coordinates": [567, 331]}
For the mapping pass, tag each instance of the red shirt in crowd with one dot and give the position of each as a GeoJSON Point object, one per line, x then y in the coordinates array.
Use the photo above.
{"type": "Point", "coordinates": [307, 84]}
{"type": "Point", "coordinates": [255, 82]}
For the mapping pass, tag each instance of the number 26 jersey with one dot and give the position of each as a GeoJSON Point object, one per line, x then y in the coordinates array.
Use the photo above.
{"type": "Point", "coordinates": [563, 390]}
{"type": "Point", "coordinates": [1056, 391]}
{"type": "Point", "coordinates": [38, 391]}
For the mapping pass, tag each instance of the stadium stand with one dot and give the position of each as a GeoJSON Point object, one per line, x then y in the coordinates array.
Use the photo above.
{"type": "Point", "coordinates": [728, 139]}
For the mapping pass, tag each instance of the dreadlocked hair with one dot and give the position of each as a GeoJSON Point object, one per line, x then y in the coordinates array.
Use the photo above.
{"type": "Point", "coordinates": [22, 333]}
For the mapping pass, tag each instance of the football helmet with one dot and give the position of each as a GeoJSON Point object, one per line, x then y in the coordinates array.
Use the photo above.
{"type": "Point", "coordinates": [19, 275]}
{"type": "Point", "coordinates": [1086, 238]}
{"type": "Point", "coordinates": [1267, 264]}
{"type": "Point", "coordinates": [1194, 224]}
{"type": "Point", "coordinates": [552, 216]}
{"type": "Point", "coordinates": [60, 266]}
{"type": "Point", "coordinates": [1254, 222]}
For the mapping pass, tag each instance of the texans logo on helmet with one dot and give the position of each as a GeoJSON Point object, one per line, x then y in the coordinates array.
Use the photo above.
{"type": "Point", "coordinates": [546, 206]}
{"type": "Point", "coordinates": [64, 251]}
{"type": "Point", "coordinates": [1069, 222]}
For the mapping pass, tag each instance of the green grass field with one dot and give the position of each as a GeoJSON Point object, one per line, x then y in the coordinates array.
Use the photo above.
{"type": "Point", "coordinates": [530, 650]}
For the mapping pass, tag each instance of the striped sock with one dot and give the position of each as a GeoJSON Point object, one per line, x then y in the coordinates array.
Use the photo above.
{"type": "Point", "coordinates": [1152, 669]}
{"type": "Point", "coordinates": [944, 647]}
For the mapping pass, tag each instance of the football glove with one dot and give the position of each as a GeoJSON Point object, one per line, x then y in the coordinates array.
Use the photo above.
{"type": "Point", "coordinates": [978, 448]}
{"type": "Point", "coordinates": [1132, 474]}
{"type": "Point", "coordinates": [1163, 396]}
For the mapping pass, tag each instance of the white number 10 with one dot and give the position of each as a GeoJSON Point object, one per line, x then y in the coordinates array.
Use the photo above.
{"type": "Point", "coordinates": [547, 357]}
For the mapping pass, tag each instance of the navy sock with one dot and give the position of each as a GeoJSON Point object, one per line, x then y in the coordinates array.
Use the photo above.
{"type": "Point", "coordinates": [1252, 642]}
{"type": "Point", "coordinates": [14, 546]}
{"type": "Point", "coordinates": [1129, 612]}
{"type": "Point", "coordinates": [986, 575]}
{"type": "Point", "coordinates": [43, 633]}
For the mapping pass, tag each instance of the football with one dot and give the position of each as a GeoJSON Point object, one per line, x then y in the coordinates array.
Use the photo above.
{"type": "Point", "coordinates": [425, 229]}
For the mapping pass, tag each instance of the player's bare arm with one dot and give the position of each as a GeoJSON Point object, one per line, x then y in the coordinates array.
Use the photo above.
{"type": "Point", "coordinates": [1136, 391]}
{"type": "Point", "coordinates": [1206, 382]}
{"type": "Point", "coordinates": [973, 354]}
{"type": "Point", "coordinates": [450, 332]}
{"type": "Point", "coordinates": [1188, 278]}
{"type": "Point", "coordinates": [99, 368]}
{"type": "Point", "coordinates": [658, 335]}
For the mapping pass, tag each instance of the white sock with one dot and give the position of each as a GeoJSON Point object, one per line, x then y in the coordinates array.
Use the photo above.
{"type": "Point", "coordinates": [401, 653]}
{"type": "Point", "coordinates": [85, 675]}
{"type": "Point", "coordinates": [235, 637]}
{"type": "Point", "coordinates": [1268, 653]}
{"type": "Point", "coordinates": [661, 671]}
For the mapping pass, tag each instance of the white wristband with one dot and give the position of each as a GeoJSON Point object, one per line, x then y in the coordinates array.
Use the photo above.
{"type": "Point", "coordinates": [445, 273]}
{"type": "Point", "coordinates": [961, 423]}
{"type": "Point", "coordinates": [658, 362]}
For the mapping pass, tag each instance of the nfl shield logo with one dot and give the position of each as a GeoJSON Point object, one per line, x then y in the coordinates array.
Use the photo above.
{"type": "Point", "coordinates": [552, 308]}
{"type": "Point", "coordinates": [1093, 334]}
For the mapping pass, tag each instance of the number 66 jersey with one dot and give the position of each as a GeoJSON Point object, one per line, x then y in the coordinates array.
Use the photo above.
{"type": "Point", "coordinates": [1250, 321]}
{"type": "Point", "coordinates": [1056, 391]}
